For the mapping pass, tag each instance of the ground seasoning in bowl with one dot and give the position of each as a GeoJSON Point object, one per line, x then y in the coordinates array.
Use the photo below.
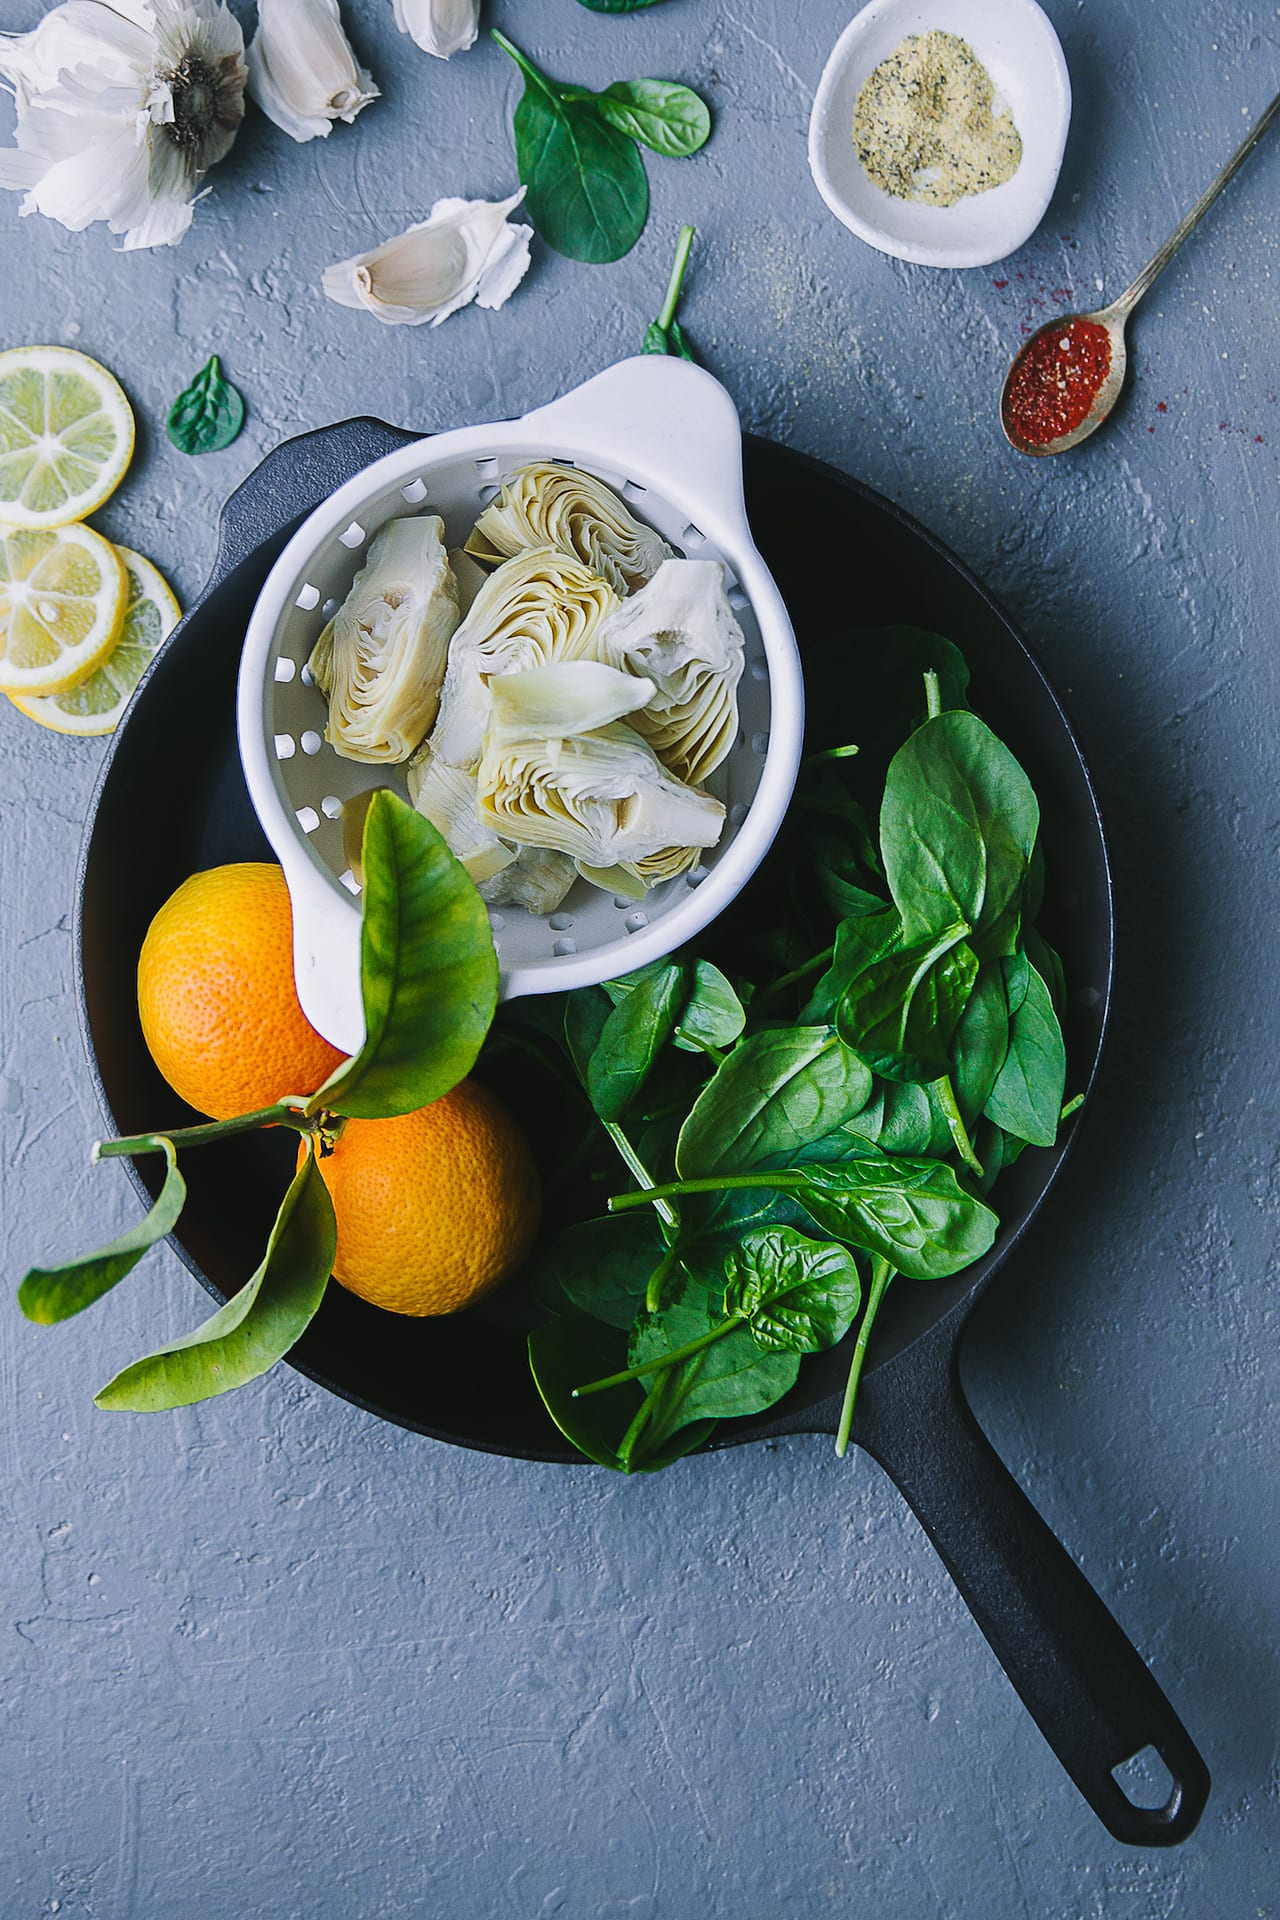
{"type": "Point", "coordinates": [1055, 380]}
{"type": "Point", "coordinates": [925, 126]}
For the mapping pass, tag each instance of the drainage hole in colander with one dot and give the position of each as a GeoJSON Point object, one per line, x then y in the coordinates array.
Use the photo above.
{"type": "Point", "coordinates": [560, 922]}
{"type": "Point", "coordinates": [285, 746]}
{"type": "Point", "coordinates": [562, 460]}
{"type": "Point", "coordinates": [694, 536]}
{"type": "Point", "coordinates": [621, 901]}
{"type": "Point", "coordinates": [633, 490]}
{"type": "Point", "coordinates": [284, 671]}
{"type": "Point", "coordinates": [308, 819]}
{"type": "Point", "coordinates": [308, 597]}
{"type": "Point", "coordinates": [350, 882]}
{"type": "Point", "coordinates": [738, 599]}
{"type": "Point", "coordinates": [497, 922]}
{"type": "Point", "coordinates": [759, 743]}
{"type": "Point", "coordinates": [696, 877]}
{"type": "Point", "coordinates": [759, 669]}
{"type": "Point", "coordinates": [488, 465]}
{"type": "Point", "coordinates": [563, 948]}
{"type": "Point", "coordinates": [353, 537]}
{"type": "Point", "coordinates": [636, 922]}
{"type": "Point", "coordinates": [307, 678]}
{"type": "Point", "coordinates": [737, 815]}
{"type": "Point", "coordinates": [311, 742]}
{"type": "Point", "coordinates": [413, 491]}
{"type": "Point", "coordinates": [329, 608]}
{"type": "Point", "coordinates": [331, 806]}
{"type": "Point", "coordinates": [489, 493]}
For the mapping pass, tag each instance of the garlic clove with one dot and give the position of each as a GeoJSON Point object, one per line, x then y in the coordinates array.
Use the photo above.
{"type": "Point", "coordinates": [441, 27]}
{"type": "Point", "coordinates": [302, 71]}
{"type": "Point", "coordinates": [466, 249]}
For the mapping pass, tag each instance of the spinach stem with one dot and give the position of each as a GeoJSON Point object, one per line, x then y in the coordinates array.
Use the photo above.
{"type": "Point", "coordinates": [881, 1274]}
{"type": "Point", "coordinates": [522, 60]}
{"type": "Point", "coordinates": [658, 1278]}
{"type": "Point", "coordinates": [627, 1444]}
{"type": "Point", "coordinates": [1072, 1106]}
{"type": "Point", "coordinates": [955, 1122]}
{"type": "Point", "coordinates": [716, 1183]}
{"type": "Point", "coordinates": [796, 974]}
{"type": "Point", "coordinates": [668, 1214]}
{"type": "Point", "coordinates": [676, 281]}
{"type": "Point", "coordinates": [284, 1113]}
{"type": "Point", "coordinates": [829, 753]}
{"type": "Point", "coordinates": [661, 1361]}
{"type": "Point", "coordinates": [932, 694]}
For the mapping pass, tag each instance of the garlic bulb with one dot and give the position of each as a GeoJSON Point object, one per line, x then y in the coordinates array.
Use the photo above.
{"type": "Point", "coordinates": [546, 505]}
{"type": "Point", "coordinates": [122, 109]}
{"type": "Point", "coordinates": [381, 659]}
{"type": "Point", "coordinates": [465, 250]}
{"type": "Point", "coordinates": [302, 72]}
{"type": "Point", "coordinates": [441, 27]}
{"type": "Point", "coordinates": [681, 632]}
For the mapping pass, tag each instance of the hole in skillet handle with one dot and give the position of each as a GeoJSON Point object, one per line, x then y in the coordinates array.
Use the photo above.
{"type": "Point", "coordinates": [1147, 1783]}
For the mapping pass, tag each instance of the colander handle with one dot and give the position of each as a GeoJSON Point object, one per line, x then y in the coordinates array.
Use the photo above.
{"type": "Point", "coordinates": [673, 423]}
{"type": "Point", "coordinates": [294, 479]}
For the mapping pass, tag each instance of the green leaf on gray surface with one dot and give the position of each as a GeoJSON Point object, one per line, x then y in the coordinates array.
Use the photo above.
{"type": "Point", "coordinates": [48, 1294]}
{"type": "Point", "coordinates": [208, 416]}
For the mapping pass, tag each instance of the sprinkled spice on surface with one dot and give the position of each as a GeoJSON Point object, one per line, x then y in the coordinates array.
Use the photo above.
{"type": "Point", "coordinates": [1055, 380]}
{"type": "Point", "coordinates": [925, 128]}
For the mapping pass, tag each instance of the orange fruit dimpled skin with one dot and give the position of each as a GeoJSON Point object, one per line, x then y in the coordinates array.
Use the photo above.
{"type": "Point", "coordinates": [434, 1209]}
{"type": "Point", "coordinates": [216, 997]}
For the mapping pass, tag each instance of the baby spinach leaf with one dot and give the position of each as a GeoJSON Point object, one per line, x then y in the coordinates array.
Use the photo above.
{"type": "Point", "coordinates": [980, 1044]}
{"type": "Point", "coordinates": [729, 1377]}
{"type": "Point", "coordinates": [914, 1213]}
{"type": "Point", "coordinates": [673, 120]}
{"type": "Point", "coordinates": [631, 1039]}
{"type": "Point", "coordinates": [428, 971]}
{"type": "Point", "coordinates": [797, 1295]}
{"type": "Point", "coordinates": [602, 1266]}
{"type": "Point", "coordinates": [904, 1117]}
{"type": "Point", "coordinates": [208, 415]}
{"type": "Point", "coordinates": [1048, 964]}
{"type": "Point", "coordinates": [713, 1015]}
{"type": "Point", "coordinates": [49, 1294]}
{"type": "Point", "coordinates": [586, 190]}
{"type": "Point", "coordinates": [585, 1015]}
{"type": "Point", "coordinates": [899, 1013]}
{"type": "Point", "coordinates": [564, 1353]}
{"type": "Point", "coordinates": [257, 1326]}
{"type": "Point", "coordinates": [1027, 1096]}
{"type": "Point", "coordinates": [957, 826]}
{"type": "Point", "coordinates": [861, 940]}
{"type": "Point", "coordinates": [775, 1091]}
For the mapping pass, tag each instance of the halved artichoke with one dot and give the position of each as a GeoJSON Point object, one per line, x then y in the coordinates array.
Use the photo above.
{"type": "Point", "coordinates": [546, 505]}
{"type": "Point", "coordinates": [381, 660]}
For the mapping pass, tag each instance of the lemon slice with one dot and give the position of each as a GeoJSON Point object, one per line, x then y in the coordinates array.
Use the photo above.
{"type": "Point", "coordinates": [95, 705]}
{"type": "Point", "coordinates": [66, 436]}
{"type": "Point", "coordinates": [63, 594]}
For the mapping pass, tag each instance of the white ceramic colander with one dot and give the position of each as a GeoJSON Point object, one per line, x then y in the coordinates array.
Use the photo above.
{"type": "Point", "coordinates": [666, 436]}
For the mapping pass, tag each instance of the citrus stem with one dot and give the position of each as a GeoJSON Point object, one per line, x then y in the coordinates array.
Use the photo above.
{"type": "Point", "coordinates": [284, 1113]}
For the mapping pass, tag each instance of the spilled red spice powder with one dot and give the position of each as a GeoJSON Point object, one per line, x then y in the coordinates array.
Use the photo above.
{"type": "Point", "coordinates": [1055, 380]}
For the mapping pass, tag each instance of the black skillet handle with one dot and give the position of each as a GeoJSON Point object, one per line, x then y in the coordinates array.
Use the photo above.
{"type": "Point", "coordinates": [293, 480]}
{"type": "Point", "coordinates": [1085, 1686]}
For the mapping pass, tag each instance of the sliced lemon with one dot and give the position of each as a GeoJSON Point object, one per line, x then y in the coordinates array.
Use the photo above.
{"type": "Point", "coordinates": [63, 594]}
{"type": "Point", "coordinates": [66, 436]}
{"type": "Point", "coordinates": [96, 704]}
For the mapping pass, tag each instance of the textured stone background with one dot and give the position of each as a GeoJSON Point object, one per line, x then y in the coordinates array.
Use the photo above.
{"type": "Point", "coordinates": [271, 1658]}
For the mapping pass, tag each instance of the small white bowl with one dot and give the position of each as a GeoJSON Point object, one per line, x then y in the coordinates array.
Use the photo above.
{"type": "Point", "coordinates": [1020, 50]}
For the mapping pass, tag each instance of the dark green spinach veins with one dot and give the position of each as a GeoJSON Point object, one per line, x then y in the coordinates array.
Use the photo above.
{"type": "Point", "coordinates": [664, 334]}
{"type": "Point", "coordinates": [585, 185]}
{"type": "Point", "coordinates": [209, 415]}
{"type": "Point", "coordinates": [835, 1115]}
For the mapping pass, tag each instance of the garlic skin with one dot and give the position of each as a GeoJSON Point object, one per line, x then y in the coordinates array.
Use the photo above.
{"type": "Point", "coordinates": [302, 71]}
{"type": "Point", "coordinates": [442, 27]}
{"type": "Point", "coordinates": [122, 109]}
{"type": "Point", "coordinates": [466, 250]}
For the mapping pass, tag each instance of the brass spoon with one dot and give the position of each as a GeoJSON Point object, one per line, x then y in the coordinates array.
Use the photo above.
{"type": "Point", "coordinates": [1114, 318]}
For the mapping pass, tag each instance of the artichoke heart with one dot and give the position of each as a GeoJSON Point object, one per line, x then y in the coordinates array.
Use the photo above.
{"type": "Point", "coordinates": [571, 696]}
{"type": "Point", "coordinates": [547, 505]}
{"type": "Point", "coordinates": [680, 632]}
{"type": "Point", "coordinates": [538, 609]}
{"type": "Point", "coordinates": [603, 798]}
{"type": "Point", "coordinates": [381, 660]}
{"type": "Point", "coordinates": [537, 879]}
{"type": "Point", "coordinates": [446, 796]}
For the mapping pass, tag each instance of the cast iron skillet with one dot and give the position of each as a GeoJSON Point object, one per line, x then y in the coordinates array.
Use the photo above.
{"type": "Point", "coordinates": [171, 800]}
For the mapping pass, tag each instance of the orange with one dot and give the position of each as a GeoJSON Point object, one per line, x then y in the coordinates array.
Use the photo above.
{"type": "Point", "coordinates": [216, 996]}
{"type": "Point", "coordinates": [434, 1208]}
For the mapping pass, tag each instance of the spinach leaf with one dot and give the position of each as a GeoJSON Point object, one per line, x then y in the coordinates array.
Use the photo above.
{"type": "Point", "coordinates": [980, 1044]}
{"type": "Point", "coordinates": [564, 1353]}
{"type": "Point", "coordinates": [630, 1040]}
{"type": "Point", "coordinates": [797, 1295]}
{"type": "Point", "coordinates": [775, 1091]}
{"type": "Point", "coordinates": [603, 1266]}
{"type": "Point", "coordinates": [905, 1117]}
{"type": "Point", "coordinates": [957, 827]}
{"type": "Point", "coordinates": [49, 1294]}
{"type": "Point", "coordinates": [664, 335]}
{"type": "Point", "coordinates": [730, 1375]}
{"type": "Point", "coordinates": [899, 1012]}
{"type": "Point", "coordinates": [257, 1326]}
{"type": "Point", "coordinates": [586, 190]}
{"type": "Point", "coordinates": [914, 1213]}
{"type": "Point", "coordinates": [428, 971]}
{"type": "Point", "coordinates": [713, 1015]}
{"type": "Point", "coordinates": [661, 114]}
{"type": "Point", "coordinates": [586, 1013]}
{"type": "Point", "coordinates": [1048, 964]}
{"type": "Point", "coordinates": [861, 941]}
{"type": "Point", "coordinates": [208, 415]}
{"type": "Point", "coordinates": [1026, 1098]}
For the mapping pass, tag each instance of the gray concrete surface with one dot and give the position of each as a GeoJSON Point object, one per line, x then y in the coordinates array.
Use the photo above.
{"type": "Point", "coordinates": [270, 1658]}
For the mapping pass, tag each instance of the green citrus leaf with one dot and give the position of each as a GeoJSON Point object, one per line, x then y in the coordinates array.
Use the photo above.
{"type": "Point", "coordinates": [55, 1293]}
